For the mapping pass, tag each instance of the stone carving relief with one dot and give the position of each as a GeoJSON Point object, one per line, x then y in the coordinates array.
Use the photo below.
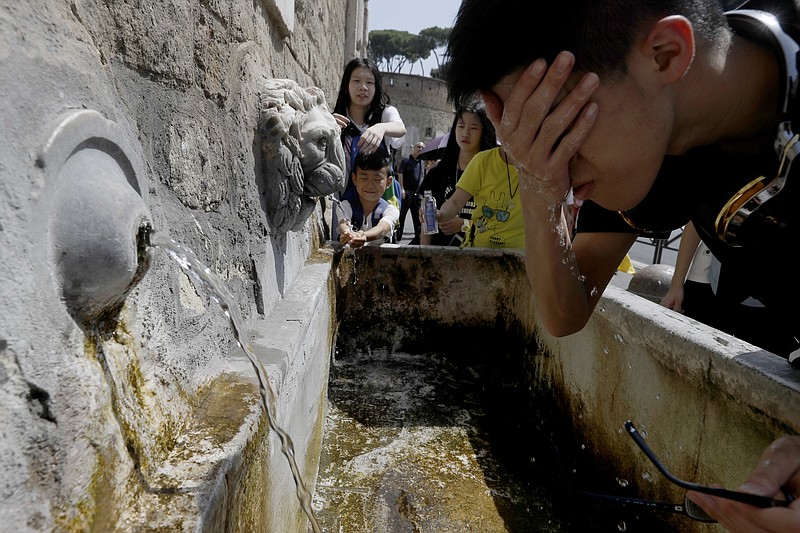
{"type": "Point", "coordinates": [303, 155]}
{"type": "Point", "coordinates": [94, 215]}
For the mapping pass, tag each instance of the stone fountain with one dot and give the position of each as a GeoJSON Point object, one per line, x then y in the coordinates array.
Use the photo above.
{"type": "Point", "coordinates": [126, 403]}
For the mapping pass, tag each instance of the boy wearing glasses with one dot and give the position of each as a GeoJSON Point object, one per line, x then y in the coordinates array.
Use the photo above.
{"type": "Point", "coordinates": [368, 219]}
{"type": "Point", "coordinates": [654, 113]}
{"type": "Point", "coordinates": [493, 184]}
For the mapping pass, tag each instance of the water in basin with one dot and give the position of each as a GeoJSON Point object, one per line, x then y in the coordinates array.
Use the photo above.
{"type": "Point", "coordinates": [433, 442]}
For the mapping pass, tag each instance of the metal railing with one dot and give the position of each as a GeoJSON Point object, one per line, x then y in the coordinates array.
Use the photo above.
{"type": "Point", "coordinates": [661, 244]}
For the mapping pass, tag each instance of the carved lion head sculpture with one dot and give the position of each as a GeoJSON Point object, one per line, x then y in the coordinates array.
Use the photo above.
{"type": "Point", "coordinates": [303, 156]}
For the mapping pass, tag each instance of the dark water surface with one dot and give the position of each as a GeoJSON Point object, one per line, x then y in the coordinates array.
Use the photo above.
{"type": "Point", "coordinates": [432, 442]}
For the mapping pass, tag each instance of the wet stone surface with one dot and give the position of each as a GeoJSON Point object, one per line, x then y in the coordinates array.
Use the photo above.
{"type": "Point", "coordinates": [430, 443]}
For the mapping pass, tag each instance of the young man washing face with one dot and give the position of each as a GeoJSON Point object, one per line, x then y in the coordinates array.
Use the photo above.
{"type": "Point", "coordinates": [653, 113]}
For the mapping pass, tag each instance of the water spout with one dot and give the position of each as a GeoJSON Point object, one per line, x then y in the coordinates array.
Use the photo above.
{"type": "Point", "coordinates": [302, 155]}
{"type": "Point", "coordinates": [203, 277]}
{"type": "Point", "coordinates": [94, 214]}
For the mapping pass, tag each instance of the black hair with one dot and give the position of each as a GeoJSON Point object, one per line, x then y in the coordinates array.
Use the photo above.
{"type": "Point", "coordinates": [375, 161]}
{"type": "Point", "coordinates": [379, 102]}
{"type": "Point", "coordinates": [600, 33]}
{"type": "Point", "coordinates": [488, 135]}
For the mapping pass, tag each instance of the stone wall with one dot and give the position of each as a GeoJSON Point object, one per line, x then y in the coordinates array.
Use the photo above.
{"type": "Point", "coordinates": [356, 34]}
{"type": "Point", "coordinates": [422, 103]}
{"type": "Point", "coordinates": [107, 419]}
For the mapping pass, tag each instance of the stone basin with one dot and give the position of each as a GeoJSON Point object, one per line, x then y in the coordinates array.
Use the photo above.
{"type": "Point", "coordinates": [537, 419]}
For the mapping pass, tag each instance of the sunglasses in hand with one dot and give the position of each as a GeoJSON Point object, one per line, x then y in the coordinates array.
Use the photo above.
{"type": "Point", "coordinates": [688, 508]}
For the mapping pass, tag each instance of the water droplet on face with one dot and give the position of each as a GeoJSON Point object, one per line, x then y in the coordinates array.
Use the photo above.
{"type": "Point", "coordinates": [619, 338]}
{"type": "Point", "coordinates": [658, 396]}
{"type": "Point", "coordinates": [605, 350]}
{"type": "Point", "coordinates": [602, 308]}
{"type": "Point", "coordinates": [622, 482]}
{"type": "Point", "coordinates": [622, 526]}
{"type": "Point", "coordinates": [647, 476]}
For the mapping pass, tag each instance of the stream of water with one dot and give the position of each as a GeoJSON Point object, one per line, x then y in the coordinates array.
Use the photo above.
{"type": "Point", "coordinates": [202, 276]}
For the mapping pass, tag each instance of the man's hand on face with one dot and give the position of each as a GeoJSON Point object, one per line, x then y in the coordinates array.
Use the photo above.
{"type": "Point", "coordinates": [541, 124]}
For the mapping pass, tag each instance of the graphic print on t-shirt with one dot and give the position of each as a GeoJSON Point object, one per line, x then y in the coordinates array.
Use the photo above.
{"type": "Point", "coordinates": [495, 210]}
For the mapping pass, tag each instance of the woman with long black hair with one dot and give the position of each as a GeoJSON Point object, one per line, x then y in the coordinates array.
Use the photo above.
{"type": "Point", "coordinates": [472, 132]}
{"type": "Point", "coordinates": [364, 113]}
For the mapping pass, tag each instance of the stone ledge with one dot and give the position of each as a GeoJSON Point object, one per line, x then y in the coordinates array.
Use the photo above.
{"type": "Point", "coordinates": [293, 343]}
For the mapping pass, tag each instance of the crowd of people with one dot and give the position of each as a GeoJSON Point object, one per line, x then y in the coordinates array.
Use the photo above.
{"type": "Point", "coordinates": [470, 133]}
{"type": "Point", "coordinates": [478, 204]}
{"type": "Point", "coordinates": [651, 116]}
{"type": "Point", "coordinates": [487, 211]}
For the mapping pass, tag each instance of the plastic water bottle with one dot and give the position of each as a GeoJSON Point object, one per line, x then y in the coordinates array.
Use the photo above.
{"type": "Point", "coordinates": [431, 226]}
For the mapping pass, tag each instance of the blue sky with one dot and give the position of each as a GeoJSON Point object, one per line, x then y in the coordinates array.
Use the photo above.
{"type": "Point", "coordinates": [412, 16]}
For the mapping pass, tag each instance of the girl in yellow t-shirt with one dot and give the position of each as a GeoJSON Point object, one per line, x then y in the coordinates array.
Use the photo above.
{"type": "Point", "coordinates": [494, 185]}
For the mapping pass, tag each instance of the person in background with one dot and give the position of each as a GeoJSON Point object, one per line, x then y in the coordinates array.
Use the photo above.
{"type": "Point", "coordinates": [429, 164]}
{"type": "Point", "coordinates": [493, 183]}
{"type": "Point", "coordinates": [471, 132]}
{"type": "Point", "coordinates": [655, 113]}
{"type": "Point", "coordinates": [690, 290]}
{"type": "Point", "coordinates": [410, 176]}
{"type": "Point", "coordinates": [368, 123]}
{"type": "Point", "coordinates": [691, 293]}
{"type": "Point", "coordinates": [368, 219]}
{"type": "Point", "coordinates": [364, 113]}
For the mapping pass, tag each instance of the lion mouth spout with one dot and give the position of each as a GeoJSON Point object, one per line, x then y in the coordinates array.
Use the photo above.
{"type": "Point", "coordinates": [327, 178]}
{"type": "Point", "coordinates": [303, 155]}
